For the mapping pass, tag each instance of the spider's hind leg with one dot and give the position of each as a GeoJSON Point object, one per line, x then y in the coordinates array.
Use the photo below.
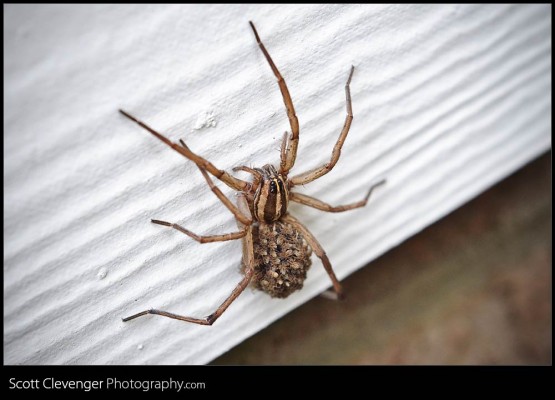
{"type": "Point", "coordinates": [248, 260]}
{"type": "Point", "coordinates": [209, 320]}
{"type": "Point", "coordinates": [318, 250]}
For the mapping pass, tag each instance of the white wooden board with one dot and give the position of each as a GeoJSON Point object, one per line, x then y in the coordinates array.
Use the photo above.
{"type": "Point", "coordinates": [448, 100]}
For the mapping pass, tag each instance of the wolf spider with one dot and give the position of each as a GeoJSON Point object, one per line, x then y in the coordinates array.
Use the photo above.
{"type": "Point", "coordinates": [276, 246]}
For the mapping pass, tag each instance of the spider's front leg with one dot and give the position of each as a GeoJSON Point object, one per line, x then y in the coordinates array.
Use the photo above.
{"type": "Point", "coordinates": [201, 162]}
{"type": "Point", "coordinates": [289, 147]}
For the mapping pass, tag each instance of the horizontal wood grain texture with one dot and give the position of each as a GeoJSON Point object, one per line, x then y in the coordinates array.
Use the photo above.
{"type": "Point", "coordinates": [447, 101]}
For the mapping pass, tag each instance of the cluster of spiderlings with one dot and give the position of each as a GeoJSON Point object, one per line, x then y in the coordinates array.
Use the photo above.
{"type": "Point", "coordinates": [282, 259]}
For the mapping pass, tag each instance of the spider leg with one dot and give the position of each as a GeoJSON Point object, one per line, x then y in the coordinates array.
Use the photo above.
{"type": "Point", "coordinates": [204, 239]}
{"type": "Point", "coordinates": [288, 157]}
{"type": "Point", "coordinates": [257, 175]}
{"type": "Point", "coordinates": [284, 149]}
{"type": "Point", "coordinates": [241, 218]}
{"type": "Point", "coordinates": [320, 205]}
{"type": "Point", "coordinates": [230, 206]}
{"type": "Point", "coordinates": [229, 180]}
{"type": "Point", "coordinates": [209, 320]}
{"type": "Point", "coordinates": [318, 250]}
{"type": "Point", "coordinates": [309, 176]}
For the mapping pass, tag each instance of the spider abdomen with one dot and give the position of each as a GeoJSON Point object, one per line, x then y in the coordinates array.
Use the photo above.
{"type": "Point", "coordinates": [281, 258]}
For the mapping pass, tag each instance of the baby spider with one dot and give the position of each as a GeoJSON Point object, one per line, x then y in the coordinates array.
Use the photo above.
{"type": "Point", "coordinates": [276, 246]}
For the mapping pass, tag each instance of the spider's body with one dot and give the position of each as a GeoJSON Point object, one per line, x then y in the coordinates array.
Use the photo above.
{"type": "Point", "coordinates": [276, 246]}
{"type": "Point", "coordinates": [281, 254]}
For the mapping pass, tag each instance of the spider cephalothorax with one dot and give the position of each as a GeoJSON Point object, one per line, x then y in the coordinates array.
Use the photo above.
{"type": "Point", "coordinates": [276, 246]}
{"type": "Point", "coordinates": [272, 195]}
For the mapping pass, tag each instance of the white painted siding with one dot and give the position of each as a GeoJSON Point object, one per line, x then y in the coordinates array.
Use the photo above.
{"type": "Point", "coordinates": [448, 100]}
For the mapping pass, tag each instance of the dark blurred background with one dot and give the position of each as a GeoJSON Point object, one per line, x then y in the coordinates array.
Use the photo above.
{"type": "Point", "coordinates": [473, 288]}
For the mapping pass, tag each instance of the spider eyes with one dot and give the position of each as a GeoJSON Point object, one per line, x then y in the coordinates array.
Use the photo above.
{"type": "Point", "coordinates": [273, 187]}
